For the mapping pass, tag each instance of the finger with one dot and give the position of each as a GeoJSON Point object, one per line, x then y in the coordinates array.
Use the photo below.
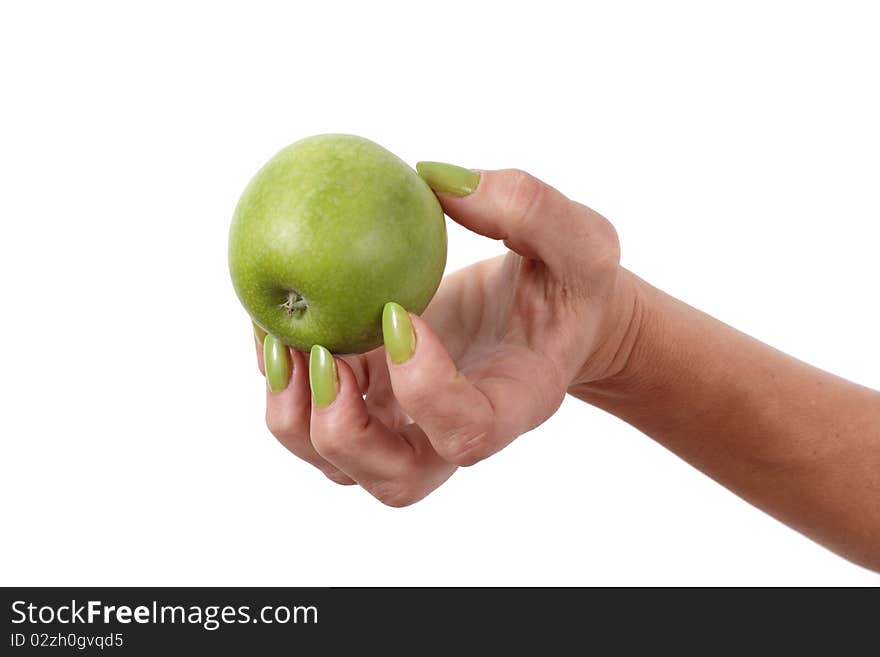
{"type": "Point", "coordinates": [464, 420]}
{"type": "Point", "coordinates": [397, 470]}
{"type": "Point", "coordinates": [532, 218]}
{"type": "Point", "coordinates": [287, 416]}
{"type": "Point", "coordinates": [360, 366]}
{"type": "Point", "coordinates": [358, 362]}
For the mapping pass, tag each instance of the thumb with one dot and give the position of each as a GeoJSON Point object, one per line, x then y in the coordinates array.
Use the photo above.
{"type": "Point", "coordinates": [465, 419]}
{"type": "Point", "coordinates": [532, 218]}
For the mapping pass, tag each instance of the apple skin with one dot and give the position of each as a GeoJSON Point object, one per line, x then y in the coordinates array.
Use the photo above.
{"type": "Point", "coordinates": [327, 232]}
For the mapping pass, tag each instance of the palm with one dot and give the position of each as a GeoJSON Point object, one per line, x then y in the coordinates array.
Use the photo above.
{"type": "Point", "coordinates": [490, 318]}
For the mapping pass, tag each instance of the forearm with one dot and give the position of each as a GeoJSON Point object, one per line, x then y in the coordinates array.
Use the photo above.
{"type": "Point", "coordinates": [798, 442]}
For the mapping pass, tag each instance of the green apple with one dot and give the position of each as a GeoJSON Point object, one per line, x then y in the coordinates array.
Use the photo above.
{"type": "Point", "coordinates": [327, 232]}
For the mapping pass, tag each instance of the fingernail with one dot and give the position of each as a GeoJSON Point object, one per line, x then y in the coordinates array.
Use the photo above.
{"type": "Point", "coordinates": [397, 328]}
{"type": "Point", "coordinates": [277, 361]}
{"type": "Point", "coordinates": [259, 332]}
{"type": "Point", "coordinates": [448, 178]}
{"type": "Point", "coordinates": [322, 376]}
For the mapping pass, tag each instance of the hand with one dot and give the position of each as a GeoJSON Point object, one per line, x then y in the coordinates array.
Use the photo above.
{"type": "Point", "coordinates": [492, 358]}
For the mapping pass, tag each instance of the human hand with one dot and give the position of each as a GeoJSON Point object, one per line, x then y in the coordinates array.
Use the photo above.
{"type": "Point", "coordinates": [492, 358]}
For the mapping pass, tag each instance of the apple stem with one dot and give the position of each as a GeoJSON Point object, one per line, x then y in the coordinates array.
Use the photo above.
{"type": "Point", "coordinates": [294, 304]}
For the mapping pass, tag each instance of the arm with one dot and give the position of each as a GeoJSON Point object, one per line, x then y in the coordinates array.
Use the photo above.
{"type": "Point", "coordinates": [503, 340]}
{"type": "Point", "coordinates": [795, 441]}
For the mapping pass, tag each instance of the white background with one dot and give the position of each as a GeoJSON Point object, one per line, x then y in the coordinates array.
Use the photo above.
{"type": "Point", "coordinates": [736, 150]}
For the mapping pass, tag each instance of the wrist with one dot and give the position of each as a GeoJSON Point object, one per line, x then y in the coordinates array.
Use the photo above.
{"type": "Point", "coordinates": [621, 356]}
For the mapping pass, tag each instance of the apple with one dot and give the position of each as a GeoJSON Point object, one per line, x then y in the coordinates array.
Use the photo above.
{"type": "Point", "coordinates": [328, 231]}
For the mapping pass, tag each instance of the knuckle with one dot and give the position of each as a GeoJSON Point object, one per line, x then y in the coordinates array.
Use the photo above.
{"type": "Point", "coordinates": [329, 444]}
{"type": "Point", "coordinates": [594, 235]}
{"type": "Point", "coordinates": [606, 259]}
{"type": "Point", "coordinates": [416, 394]}
{"type": "Point", "coordinates": [525, 196]}
{"type": "Point", "coordinates": [281, 423]}
{"type": "Point", "coordinates": [609, 241]}
{"type": "Point", "coordinates": [467, 446]}
{"type": "Point", "coordinates": [396, 494]}
{"type": "Point", "coordinates": [338, 477]}
{"type": "Point", "coordinates": [419, 392]}
{"type": "Point", "coordinates": [338, 434]}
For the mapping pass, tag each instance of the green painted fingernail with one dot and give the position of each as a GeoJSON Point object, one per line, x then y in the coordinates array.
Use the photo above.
{"type": "Point", "coordinates": [277, 361]}
{"type": "Point", "coordinates": [448, 178]}
{"type": "Point", "coordinates": [400, 338]}
{"type": "Point", "coordinates": [259, 332]}
{"type": "Point", "coordinates": [322, 376]}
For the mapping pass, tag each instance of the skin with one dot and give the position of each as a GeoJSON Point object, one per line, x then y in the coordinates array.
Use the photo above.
{"type": "Point", "coordinates": [304, 239]}
{"type": "Point", "coordinates": [506, 339]}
